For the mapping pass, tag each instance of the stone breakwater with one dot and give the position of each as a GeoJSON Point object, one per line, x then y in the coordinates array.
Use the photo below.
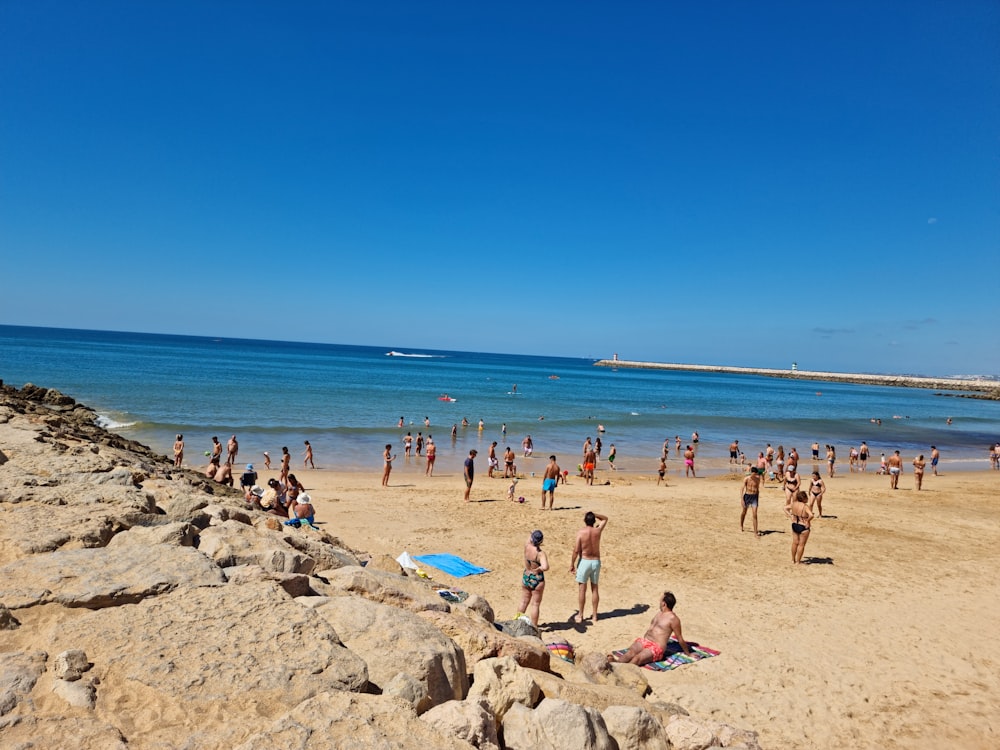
{"type": "Point", "coordinates": [977, 388]}
{"type": "Point", "coordinates": [144, 607]}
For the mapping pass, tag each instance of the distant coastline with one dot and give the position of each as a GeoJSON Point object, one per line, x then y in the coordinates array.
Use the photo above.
{"type": "Point", "coordinates": [977, 388]}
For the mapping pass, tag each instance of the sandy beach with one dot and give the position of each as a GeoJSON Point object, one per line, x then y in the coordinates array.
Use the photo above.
{"type": "Point", "coordinates": [884, 639]}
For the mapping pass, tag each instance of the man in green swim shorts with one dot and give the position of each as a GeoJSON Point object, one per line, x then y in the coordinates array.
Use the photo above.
{"type": "Point", "coordinates": [549, 482]}
{"type": "Point", "coordinates": [588, 552]}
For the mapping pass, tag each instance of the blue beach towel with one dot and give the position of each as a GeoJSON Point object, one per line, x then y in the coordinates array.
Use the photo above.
{"type": "Point", "coordinates": [451, 564]}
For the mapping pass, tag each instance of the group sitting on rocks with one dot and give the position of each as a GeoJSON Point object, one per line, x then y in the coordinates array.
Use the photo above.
{"type": "Point", "coordinates": [288, 501]}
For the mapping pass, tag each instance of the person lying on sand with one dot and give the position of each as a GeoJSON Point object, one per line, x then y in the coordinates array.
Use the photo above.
{"type": "Point", "coordinates": [653, 645]}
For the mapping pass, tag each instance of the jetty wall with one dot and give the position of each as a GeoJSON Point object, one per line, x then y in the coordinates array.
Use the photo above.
{"type": "Point", "coordinates": [982, 388]}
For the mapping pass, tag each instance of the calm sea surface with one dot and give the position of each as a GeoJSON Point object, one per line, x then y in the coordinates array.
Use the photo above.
{"type": "Point", "coordinates": [347, 401]}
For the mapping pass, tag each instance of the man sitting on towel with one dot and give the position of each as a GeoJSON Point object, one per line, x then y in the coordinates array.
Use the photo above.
{"type": "Point", "coordinates": [652, 646]}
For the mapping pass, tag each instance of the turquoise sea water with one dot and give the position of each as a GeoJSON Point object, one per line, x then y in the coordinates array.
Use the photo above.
{"type": "Point", "coordinates": [347, 401]}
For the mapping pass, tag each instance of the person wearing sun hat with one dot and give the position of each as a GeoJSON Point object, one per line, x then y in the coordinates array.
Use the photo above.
{"type": "Point", "coordinates": [248, 478]}
{"type": "Point", "coordinates": [533, 578]}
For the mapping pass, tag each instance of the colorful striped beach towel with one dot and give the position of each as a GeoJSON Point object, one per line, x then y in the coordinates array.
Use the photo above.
{"type": "Point", "coordinates": [674, 657]}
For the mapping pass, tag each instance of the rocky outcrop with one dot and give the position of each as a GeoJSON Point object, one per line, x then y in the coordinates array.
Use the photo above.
{"type": "Point", "coordinates": [180, 618]}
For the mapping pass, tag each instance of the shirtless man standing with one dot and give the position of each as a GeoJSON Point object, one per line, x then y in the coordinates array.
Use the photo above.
{"type": "Point", "coordinates": [549, 481]}
{"type": "Point", "coordinates": [935, 457]}
{"type": "Point", "coordinates": [509, 470]}
{"type": "Point", "coordinates": [653, 645]}
{"type": "Point", "coordinates": [588, 552]}
{"type": "Point", "coordinates": [751, 497]}
{"type": "Point", "coordinates": [689, 462]}
{"type": "Point", "coordinates": [734, 451]}
{"type": "Point", "coordinates": [216, 451]}
{"type": "Point", "coordinates": [589, 464]}
{"type": "Point", "coordinates": [179, 451]}
{"type": "Point", "coordinates": [492, 460]}
{"type": "Point", "coordinates": [232, 448]}
{"type": "Point", "coordinates": [895, 464]}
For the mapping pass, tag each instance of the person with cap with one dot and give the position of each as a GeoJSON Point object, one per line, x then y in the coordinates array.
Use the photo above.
{"type": "Point", "coordinates": [267, 460]}
{"type": "Point", "coordinates": [254, 495]}
{"type": "Point", "coordinates": [533, 578]}
{"type": "Point", "coordinates": [248, 478]}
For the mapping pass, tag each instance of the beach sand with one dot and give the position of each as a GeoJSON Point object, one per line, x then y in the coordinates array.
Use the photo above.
{"type": "Point", "coordinates": [887, 638]}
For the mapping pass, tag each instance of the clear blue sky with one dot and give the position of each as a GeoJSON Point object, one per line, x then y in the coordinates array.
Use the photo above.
{"type": "Point", "coordinates": [738, 183]}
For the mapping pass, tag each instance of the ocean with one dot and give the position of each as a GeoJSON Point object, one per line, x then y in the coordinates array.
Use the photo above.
{"type": "Point", "coordinates": [347, 401]}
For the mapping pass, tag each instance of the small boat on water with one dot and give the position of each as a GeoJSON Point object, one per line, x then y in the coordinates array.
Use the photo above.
{"type": "Point", "coordinates": [553, 377]}
{"type": "Point", "coordinates": [446, 397]}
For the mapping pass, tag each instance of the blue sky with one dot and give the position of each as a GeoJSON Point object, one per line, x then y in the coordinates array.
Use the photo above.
{"type": "Point", "coordinates": [726, 183]}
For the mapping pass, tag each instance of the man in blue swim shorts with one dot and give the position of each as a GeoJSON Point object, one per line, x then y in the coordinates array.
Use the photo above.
{"type": "Point", "coordinates": [549, 482]}
{"type": "Point", "coordinates": [588, 552]}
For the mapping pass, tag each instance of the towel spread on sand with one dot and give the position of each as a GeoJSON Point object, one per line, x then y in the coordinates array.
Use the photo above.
{"type": "Point", "coordinates": [451, 564]}
{"type": "Point", "coordinates": [674, 657]}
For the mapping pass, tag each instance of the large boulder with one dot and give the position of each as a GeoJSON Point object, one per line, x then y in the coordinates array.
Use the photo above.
{"type": "Point", "coordinates": [233, 543]}
{"type": "Point", "coordinates": [556, 725]}
{"type": "Point", "coordinates": [583, 693]}
{"type": "Point", "coordinates": [502, 683]}
{"type": "Point", "coordinates": [348, 721]}
{"type": "Point", "coordinates": [393, 640]}
{"type": "Point", "coordinates": [635, 728]}
{"type": "Point", "coordinates": [96, 578]}
{"type": "Point", "coordinates": [469, 720]}
{"type": "Point", "coordinates": [233, 651]}
{"type": "Point", "coordinates": [479, 639]}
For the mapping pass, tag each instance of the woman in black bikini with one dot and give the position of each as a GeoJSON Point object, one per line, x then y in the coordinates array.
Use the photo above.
{"type": "Point", "coordinates": [816, 490]}
{"type": "Point", "coordinates": [791, 483]}
{"type": "Point", "coordinates": [797, 508]}
{"type": "Point", "coordinates": [533, 578]}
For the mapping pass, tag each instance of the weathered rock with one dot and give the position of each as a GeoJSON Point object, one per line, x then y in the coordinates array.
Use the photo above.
{"type": "Point", "coordinates": [480, 606]}
{"type": "Point", "coordinates": [97, 578]}
{"type": "Point", "coordinates": [18, 673]}
{"type": "Point", "coordinates": [62, 733]}
{"type": "Point", "coordinates": [7, 620]}
{"type": "Point", "coordinates": [70, 665]}
{"type": "Point", "coordinates": [232, 543]}
{"type": "Point", "coordinates": [79, 694]}
{"type": "Point", "coordinates": [502, 683]}
{"type": "Point", "coordinates": [634, 727]}
{"type": "Point", "coordinates": [295, 584]}
{"type": "Point", "coordinates": [175, 533]}
{"type": "Point", "coordinates": [468, 720]}
{"type": "Point", "coordinates": [730, 736]}
{"type": "Point", "coordinates": [556, 725]}
{"type": "Point", "coordinates": [410, 690]}
{"type": "Point", "coordinates": [479, 639]}
{"type": "Point", "coordinates": [385, 563]}
{"type": "Point", "coordinates": [583, 693]}
{"type": "Point", "coordinates": [518, 628]}
{"type": "Point", "coordinates": [384, 588]}
{"type": "Point", "coordinates": [328, 551]}
{"type": "Point", "coordinates": [244, 650]}
{"type": "Point", "coordinates": [664, 712]}
{"type": "Point", "coordinates": [348, 721]}
{"type": "Point", "coordinates": [687, 734]}
{"type": "Point", "coordinates": [393, 640]}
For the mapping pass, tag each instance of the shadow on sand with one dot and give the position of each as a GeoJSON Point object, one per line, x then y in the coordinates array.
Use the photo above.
{"type": "Point", "coordinates": [817, 561]}
{"type": "Point", "coordinates": [580, 627]}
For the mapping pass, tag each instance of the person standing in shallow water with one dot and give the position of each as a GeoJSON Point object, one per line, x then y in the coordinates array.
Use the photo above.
{"type": "Point", "coordinates": [307, 461]}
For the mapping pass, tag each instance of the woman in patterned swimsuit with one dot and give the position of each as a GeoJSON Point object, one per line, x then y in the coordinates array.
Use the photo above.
{"type": "Point", "coordinates": [533, 578]}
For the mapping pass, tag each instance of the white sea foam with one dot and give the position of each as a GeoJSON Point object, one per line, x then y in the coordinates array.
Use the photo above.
{"type": "Point", "coordinates": [109, 423]}
{"type": "Point", "coordinates": [424, 356]}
